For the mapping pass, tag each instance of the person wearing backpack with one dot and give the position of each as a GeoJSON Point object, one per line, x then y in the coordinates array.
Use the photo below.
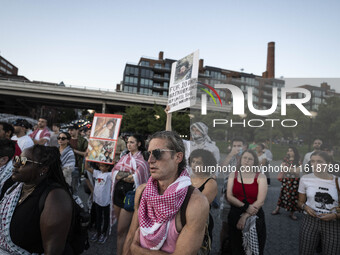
{"type": "Point", "coordinates": [101, 199]}
{"type": "Point", "coordinates": [201, 161]}
{"type": "Point", "coordinates": [25, 228]}
{"type": "Point", "coordinates": [160, 200]}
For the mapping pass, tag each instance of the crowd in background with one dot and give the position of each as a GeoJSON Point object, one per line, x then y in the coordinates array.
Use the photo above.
{"type": "Point", "coordinates": [40, 168]}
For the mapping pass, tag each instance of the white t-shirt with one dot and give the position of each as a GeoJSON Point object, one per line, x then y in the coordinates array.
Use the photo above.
{"type": "Point", "coordinates": [306, 159]}
{"type": "Point", "coordinates": [102, 188]}
{"type": "Point", "coordinates": [24, 142]}
{"type": "Point", "coordinates": [263, 156]}
{"type": "Point", "coordinates": [37, 136]}
{"type": "Point", "coordinates": [322, 195]}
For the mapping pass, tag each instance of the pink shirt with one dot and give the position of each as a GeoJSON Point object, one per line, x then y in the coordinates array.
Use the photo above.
{"type": "Point", "coordinates": [170, 242]}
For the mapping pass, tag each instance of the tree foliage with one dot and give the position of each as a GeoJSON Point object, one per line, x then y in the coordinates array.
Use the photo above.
{"type": "Point", "coordinates": [147, 121]}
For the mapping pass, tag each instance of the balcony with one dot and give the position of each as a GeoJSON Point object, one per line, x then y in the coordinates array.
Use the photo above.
{"type": "Point", "coordinates": [266, 94]}
{"type": "Point", "coordinates": [203, 75]}
{"type": "Point", "coordinates": [267, 87]}
{"type": "Point", "coordinates": [161, 68]}
{"type": "Point", "coordinates": [158, 77]}
{"type": "Point", "coordinates": [159, 88]}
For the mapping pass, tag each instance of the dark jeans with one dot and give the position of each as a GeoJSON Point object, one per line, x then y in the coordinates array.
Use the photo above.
{"type": "Point", "coordinates": [102, 214]}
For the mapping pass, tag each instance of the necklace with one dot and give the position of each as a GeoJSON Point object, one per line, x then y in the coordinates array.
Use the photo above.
{"type": "Point", "coordinates": [26, 191]}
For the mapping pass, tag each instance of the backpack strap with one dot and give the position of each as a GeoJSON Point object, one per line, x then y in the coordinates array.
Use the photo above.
{"type": "Point", "coordinates": [337, 184]}
{"type": "Point", "coordinates": [185, 204]}
{"type": "Point", "coordinates": [140, 197]}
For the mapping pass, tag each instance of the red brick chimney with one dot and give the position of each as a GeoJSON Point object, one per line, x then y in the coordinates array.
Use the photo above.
{"type": "Point", "coordinates": [160, 55]}
{"type": "Point", "coordinates": [271, 60]}
{"type": "Point", "coordinates": [201, 64]}
{"type": "Point", "coordinates": [325, 85]}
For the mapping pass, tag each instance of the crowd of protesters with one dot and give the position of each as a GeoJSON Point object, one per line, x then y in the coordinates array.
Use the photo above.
{"type": "Point", "coordinates": [158, 193]}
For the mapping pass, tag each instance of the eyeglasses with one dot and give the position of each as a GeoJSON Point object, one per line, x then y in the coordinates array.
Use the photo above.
{"type": "Point", "coordinates": [62, 138]}
{"type": "Point", "coordinates": [23, 161]}
{"type": "Point", "coordinates": [157, 153]}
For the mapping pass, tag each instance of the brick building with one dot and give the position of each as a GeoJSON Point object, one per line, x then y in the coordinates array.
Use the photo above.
{"type": "Point", "coordinates": [151, 76]}
{"type": "Point", "coordinates": [318, 95]}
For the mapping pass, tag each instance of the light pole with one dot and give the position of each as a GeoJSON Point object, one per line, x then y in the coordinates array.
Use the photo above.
{"type": "Point", "coordinates": [314, 114]}
{"type": "Point", "coordinates": [243, 116]}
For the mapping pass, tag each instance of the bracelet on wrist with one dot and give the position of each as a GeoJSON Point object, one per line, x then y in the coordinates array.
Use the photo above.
{"type": "Point", "coordinates": [303, 207]}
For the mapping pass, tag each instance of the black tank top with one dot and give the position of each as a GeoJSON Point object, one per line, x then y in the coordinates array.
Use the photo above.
{"type": "Point", "coordinates": [25, 223]}
{"type": "Point", "coordinates": [201, 188]}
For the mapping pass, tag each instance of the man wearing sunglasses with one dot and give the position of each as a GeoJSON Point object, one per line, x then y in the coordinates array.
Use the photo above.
{"type": "Point", "coordinates": [20, 130]}
{"type": "Point", "coordinates": [7, 149]}
{"type": "Point", "coordinates": [160, 200]}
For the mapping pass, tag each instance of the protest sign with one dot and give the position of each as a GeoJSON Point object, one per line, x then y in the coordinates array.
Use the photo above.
{"type": "Point", "coordinates": [183, 82]}
{"type": "Point", "coordinates": [103, 138]}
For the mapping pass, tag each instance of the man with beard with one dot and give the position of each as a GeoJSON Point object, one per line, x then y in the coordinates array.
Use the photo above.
{"type": "Point", "coordinates": [157, 226]}
{"type": "Point", "coordinates": [317, 147]}
{"type": "Point", "coordinates": [41, 135]}
{"type": "Point", "coordinates": [20, 130]}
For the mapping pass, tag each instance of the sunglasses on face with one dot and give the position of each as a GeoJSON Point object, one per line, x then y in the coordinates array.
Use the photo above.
{"type": "Point", "coordinates": [62, 138]}
{"type": "Point", "coordinates": [23, 161]}
{"type": "Point", "coordinates": [157, 153]}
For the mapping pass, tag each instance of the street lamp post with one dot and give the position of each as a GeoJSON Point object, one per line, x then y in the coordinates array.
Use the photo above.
{"type": "Point", "coordinates": [314, 114]}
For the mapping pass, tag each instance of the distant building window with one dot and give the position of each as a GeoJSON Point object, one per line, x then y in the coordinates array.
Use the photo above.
{"type": "Point", "coordinates": [166, 85]}
{"type": "Point", "coordinates": [250, 81]}
{"type": "Point", "coordinates": [130, 89]}
{"type": "Point", "coordinates": [146, 73]}
{"type": "Point", "coordinates": [167, 65]}
{"type": "Point", "coordinates": [146, 82]}
{"type": "Point", "coordinates": [131, 80]}
{"type": "Point", "coordinates": [317, 93]}
{"type": "Point", "coordinates": [165, 93]}
{"type": "Point", "coordinates": [4, 62]}
{"type": "Point", "coordinates": [130, 70]}
{"type": "Point", "coordinates": [10, 66]}
{"type": "Point", "coordinates": [216, 75]}
{"type": "Point", "coordinates": [145, 91]}
{"type": "Point", "coordinates": [158, 65]}
{"type": "Point", "coordinates": [2, 69]}
{"type": "Point", "coordinates": [166, 75]}
{"type": "Point", "coordinates": [144, 63]}
{"type": "Point", "coordinates": [8, 72]}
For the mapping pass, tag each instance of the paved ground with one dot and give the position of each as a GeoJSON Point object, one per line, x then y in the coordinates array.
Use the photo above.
{"type": "Point", "coordinates": [282, 232]}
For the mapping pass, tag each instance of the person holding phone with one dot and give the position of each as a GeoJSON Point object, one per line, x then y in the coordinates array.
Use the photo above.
{"type": "Point", "coordinates": [319, 199]}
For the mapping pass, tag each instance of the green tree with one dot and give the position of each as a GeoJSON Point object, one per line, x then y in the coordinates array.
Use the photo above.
{"type": "Point", "coordinates": [150, 120]}
{"type": "Point", "coordinates": [327, 122]}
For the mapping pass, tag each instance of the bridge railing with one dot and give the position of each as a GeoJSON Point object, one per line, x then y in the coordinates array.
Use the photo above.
{"type": "Point", "coordinates": [56, 84]}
